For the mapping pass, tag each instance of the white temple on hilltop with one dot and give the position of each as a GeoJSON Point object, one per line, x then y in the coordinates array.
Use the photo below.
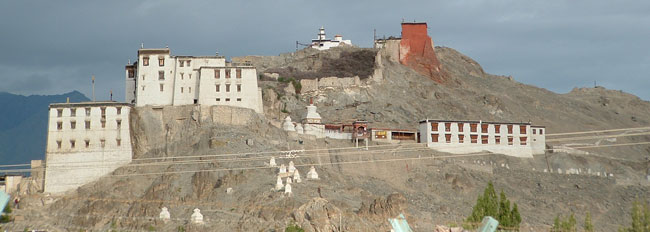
{"type": "Point", "coordinates": [323, 43]}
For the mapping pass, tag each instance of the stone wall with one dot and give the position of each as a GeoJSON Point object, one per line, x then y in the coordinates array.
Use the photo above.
{"type": "Point", "coordinates": [309, 85]}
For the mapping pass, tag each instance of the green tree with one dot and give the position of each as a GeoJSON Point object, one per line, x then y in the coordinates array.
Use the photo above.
{"type": "Point", "coordinates": [640, 218]}
{"type": "Point", "coordinates": [498, 207]}
{"type": "Point", "coordinates": [6, 217]}
{"type": "Point", "coordinates": [589, 227]}
{"type": "Point", "coordinates": [561, 224]}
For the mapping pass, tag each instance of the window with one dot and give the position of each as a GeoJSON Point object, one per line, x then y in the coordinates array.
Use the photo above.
{"type": "Point", "coordinates": [103, 109]}
{"type": "Point", "coordinates": [72, 143]}
{"type": "Point", "coordinates": [448, 138]}
{"type": "Point", "coordinates": [434, 138]}
{"type": "Point", "coordinates": [484, 128]}
{"type": "Point", "coordinates": [188, 63]}
{"type": "Point", "coordinates": [510, 140]}
{"type": "Point", "coordinates": [181, 89]}
{"type": "Point", "coordinates": [118, 142]}
{"type": "Point", "coordinates": [59, 113]}
{"type": "Point", "coordinates": [73, 125]}
{"type": "Point", "coordinates": [73, 112]}
{"type": "Point", "coordinates": [448, 127]}
{"type": "Point", "coordinates": [59, 125]}
{"type": "Point", "coordinates": [522, 140]}
{"type": "Point", "coordinates": [238, 88]}
{"type": "Point", "coordinates": [541, 131]}
{"type": "Point", "coordinates": [497, 139]}
{"type": "Point", "coordinates": [119, 124]}
{"type": "Point", "coordinates": [534, 131]}
{"type": "Point", "coordinates": [238, 99]}
{"type": "Point", "coordinates": [162, 87]}
{"type": "Point", "coordinates": [87, 125]}
{"type": "Point", "coordinates": [474, 138]}
{"type": "Point", "coordinates": [227, 99]}
{"type": "Point", "coordinates": [217, 74]}
{"type": "Point", "coordinates": [522, 130]}
{"type": "Point", "coordinates": [497, 129]}
{"type": "Point", "coordinates": [131, 74]}
{"type": "Point", "coordinates": [58, 144]}
{"type": "Point", "coordinates": [434, 126]}
{"type": "Point", "coordinates": [238, 73]}
{"type": "Point", "coordinates": [227, 73]}
{"type": "Point", "coordinates": [217, 88]}
{"type": "Point", "coordinates": [182, 62]}
{"type": "Point", "coordinates": [143, 88]}
{"type": "Point", "coordinates": [461, 138]}
{"type": "Point", "coordinates": [161, 61]}
{"type": "Point", "coordinates": [189, 89]}
{"type": "Point", "coordinates": [119, 110]}
{"type": "Point", "coordinates": [218, 99]}
{"type": "Point", "coordinates": [103, 124]}
{"type": "Point", "coordinates": [189, 75]}
{"type": "Point", "coordinates": [509, 129]}
{"type": "Point", "coordinates": [102, 142]}
{"type": "Point", "coordinates": [87, 143]}
{"type": "Point", "coordinates": [484, 139]}
{"type": "Point", "coordinates": [145, 61]}
{"type": "Point", "coordinates": [472, 127]}
{"type": "Point", "coordinates": [460, 127]}
{"type": "Point", "coordinates": [88, 112]}
{"type": "Point", "coordinates": [227, 87]}
{"type": "Point", "coordinates": [143, 77]}
{"type": "Point", "coordinates": [161, 75]}
{"type": "Point", "coordinates": [380, 134]}
{"type": "Point", "coordinates": [182, 74]}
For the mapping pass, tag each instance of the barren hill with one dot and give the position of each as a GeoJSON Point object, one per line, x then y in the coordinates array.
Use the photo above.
{"type": "Point", "coordinates": [357, 191]}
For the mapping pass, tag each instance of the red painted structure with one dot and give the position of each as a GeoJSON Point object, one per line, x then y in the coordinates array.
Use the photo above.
{"type": "Point", "coordinates": [416, 51]}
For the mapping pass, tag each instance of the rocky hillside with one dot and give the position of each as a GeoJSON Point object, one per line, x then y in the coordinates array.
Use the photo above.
{"type": "Point", "coordinates": [358, 190]}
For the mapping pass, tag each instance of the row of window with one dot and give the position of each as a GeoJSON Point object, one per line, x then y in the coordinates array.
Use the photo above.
{"type": "Point", "coordinates": [475, 139]}
{"type": "Point", "coordinates": [73, 143]}
{"type": "Point", "coordinates": [218, 88]}
{"type": "Point", "coordinates": [484, 128]}
{"type": "Point", "coordinates": [217, 73]}
{"type": "Point", "coordinates": [228, 99]}
{"type": "Point", "coordinates": [73, 112]}
{"type": "Point", "coordinates": [161, 62]}
{"type": "Point", "coordinates": [73, 124]}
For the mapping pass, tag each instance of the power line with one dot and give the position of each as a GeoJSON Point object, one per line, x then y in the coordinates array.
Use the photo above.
{"type": "Point", "coordinates": [598, 131]}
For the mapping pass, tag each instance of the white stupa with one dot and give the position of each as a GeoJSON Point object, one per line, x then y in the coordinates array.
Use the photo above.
{"type": "Point", "coordinates": [312, 115]}
{"type": "Point", "coordinates": [296, 176]}
{"type": "Point", "coordinates": [299, 129]}
{"type": "Point", "coordinates": [283, 169]}
{"type": "Point", "coordinates": [287, 189]}
{"type": "Point", "coordinates": [164, 215]}
{"type": "Point", "coordinates": [289, 181]}
{"type": "Point", "coordinates": [312, 174]}
{"type": "Point", "coordinates": [197, 217]}
{"type": "Point", "coordinates": [288, 125]}
{"type": "Point", "coordinates": [291, 167]}
{"type": "Point", "coordinates": [272, 162]}
{"type": "Point", "coordinates": [278, 184]}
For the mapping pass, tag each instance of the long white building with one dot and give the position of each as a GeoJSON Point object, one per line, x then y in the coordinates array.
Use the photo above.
{"type": "Point", "coordinates": [84, 142]}
{"type": "Point", "coordinates": [323, 43]}
{"type": "Point", "coordinates": [461, 137]}
{"type": "Point", "coordinates": [158, 78]}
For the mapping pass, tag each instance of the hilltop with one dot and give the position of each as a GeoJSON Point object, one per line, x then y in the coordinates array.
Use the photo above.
{"type": "Point", "coordinates": [361, 195]}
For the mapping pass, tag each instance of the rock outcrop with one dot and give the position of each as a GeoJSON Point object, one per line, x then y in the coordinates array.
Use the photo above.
{"type": "Point", "coordinates": [318, 215]}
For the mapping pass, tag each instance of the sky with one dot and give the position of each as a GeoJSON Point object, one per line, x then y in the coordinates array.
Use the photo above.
{"type": "Point", "coordinates": [53, 47]}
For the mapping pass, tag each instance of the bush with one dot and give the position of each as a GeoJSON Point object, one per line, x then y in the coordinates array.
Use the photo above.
{"type": "Point", "coordinates": [489, 204]}
{"type": "Point", "coordinates": [293, 228]}
{"type": "Point", "coordinates": [6, 217]}
{"type": "Point", "coordinates": [640, 218]}
{"type": "Point", "coordinates": [564, 224]}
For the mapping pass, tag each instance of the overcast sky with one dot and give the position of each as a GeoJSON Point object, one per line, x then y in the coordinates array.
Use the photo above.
{"type": "Point", "coordinates": [51, 47]}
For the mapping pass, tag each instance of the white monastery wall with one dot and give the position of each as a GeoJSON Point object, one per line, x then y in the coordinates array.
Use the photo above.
{"type": "Point", "coordinates": [461, 137]}
{"type": "Point", "coordinates": [160, 79]}
{"type": "Point", "coordinates": [85, 141]}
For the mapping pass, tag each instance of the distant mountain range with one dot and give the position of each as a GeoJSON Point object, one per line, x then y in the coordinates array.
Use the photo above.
{"type": "Point", "coordinates": [23, 125]}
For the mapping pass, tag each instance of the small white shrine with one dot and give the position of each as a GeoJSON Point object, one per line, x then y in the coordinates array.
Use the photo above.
{"type": "Point", "coordinates": [287, 189]}
{"type": "Point", "coordinates": [283, 169]}
{"type": "Point", "coordinates": [312, 174]}
{"type": "Point", "coordinates": [278, 184]}
{"type": "Point", "coordinates": [164, 215]}
{"type": "Point", "coordinates": [296, 176]}
{"type": "Point", "coordinates": [289, 181]}
{"type": "Point", "coordinates": [288, 124]}
{"type": "Point", "coordinates": [197, 217]}
{"type": "Point", "coordinates": [292, 168]}
{"type": "Point", "coordinates": [272, 162]}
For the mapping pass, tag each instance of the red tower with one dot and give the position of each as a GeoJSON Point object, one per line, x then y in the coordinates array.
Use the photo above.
{"type": "Point", "coordinates": [416, 51]}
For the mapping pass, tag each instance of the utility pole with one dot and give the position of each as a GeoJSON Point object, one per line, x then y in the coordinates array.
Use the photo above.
{"type": "Point", "coordinates": [93, 84]}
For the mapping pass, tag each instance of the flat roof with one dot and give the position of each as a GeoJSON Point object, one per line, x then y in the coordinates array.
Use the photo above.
{"type": "Point", "coordinates": [143, 51]}
{"type": "Point", "coordinates": [414, 23]}
{"type": "Point", "coordinates": [473, 121]}
{"type": "Point", "coordinates": [84, 104]}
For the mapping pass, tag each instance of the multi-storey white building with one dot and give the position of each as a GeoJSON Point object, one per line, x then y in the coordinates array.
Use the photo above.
{"type": "Point", "coordinates": [160, 79]}
{"type": "Point", "coordinates": [84, 142]}
{"type": "Point", "coordinates": [459, 137]}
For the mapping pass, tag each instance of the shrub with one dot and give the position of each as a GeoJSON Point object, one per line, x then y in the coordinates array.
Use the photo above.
{"type": "Point", "coordinates": [640, 218]}
{"type": "Point", "coordinates": [6, 217]}
{"type": "Point", "coordinates": [293, 228]}
{"type": "Point", "coordinates": [564, 224]}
